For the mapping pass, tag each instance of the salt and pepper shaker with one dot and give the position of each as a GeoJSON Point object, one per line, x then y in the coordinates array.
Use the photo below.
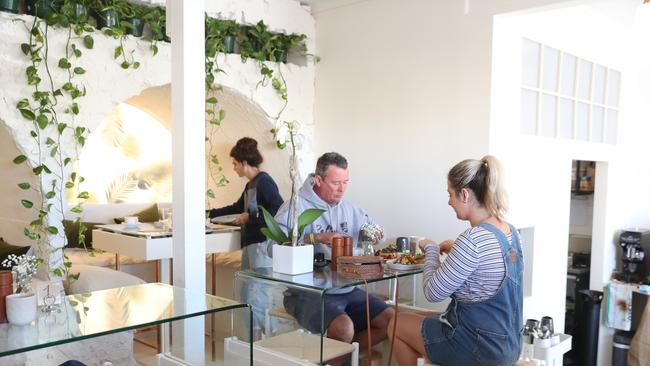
{"type": "Point", "coordinates": [348, 244]}
{"type": "Point", "coordinates": [338, 250]}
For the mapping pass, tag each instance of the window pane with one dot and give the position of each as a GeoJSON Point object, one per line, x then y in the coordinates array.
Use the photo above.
{"type": "Point", "coordinates": [550, 69]}
{"type": "Point", "coordinates": [528, 112]}
{"type": "Point", "coordinates": [611, 126]}
{"type": "Point", "coordinates": [530, 63]}
{"type": "Point", "coordinates": [566, 119]}
{"type": "Point", "coordinates": [613, 87]}
{"type": "Point", "coordinates": [568, 75]}
{"type": "Point", "coordinates": [599, 84]}
{"type": "Point", "coordinates": [597, 120]}
{"type": "Point", "coordinates": [584, 79]}
{"type": "Point", "coordinates": [549, 108]}
{"type": "Point", "coordinates": [582, 122]}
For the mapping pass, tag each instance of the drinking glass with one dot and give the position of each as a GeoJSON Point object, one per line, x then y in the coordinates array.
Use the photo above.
{"type": "Point", "coordinates": [166, 217]}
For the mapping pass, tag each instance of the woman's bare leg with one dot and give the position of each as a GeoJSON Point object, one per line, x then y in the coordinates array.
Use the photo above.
{"type": "Point", "coordinates": [409, 344]}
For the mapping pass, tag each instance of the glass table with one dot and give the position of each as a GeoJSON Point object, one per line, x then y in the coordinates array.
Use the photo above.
{"type": "Point", "coordinates": [112, 315]}
{"type": "Point", "coordinates": [266, 291]}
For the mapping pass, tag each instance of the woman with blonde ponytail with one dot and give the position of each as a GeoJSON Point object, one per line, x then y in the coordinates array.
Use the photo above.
{"type": "Point", "coordinates": [482, 274]}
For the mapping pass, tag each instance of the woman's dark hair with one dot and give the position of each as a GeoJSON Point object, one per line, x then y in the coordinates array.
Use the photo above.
{"type": "Point", "coordinates": [245, 150]}
{"type": "Point", "coordinates": [485, 178]}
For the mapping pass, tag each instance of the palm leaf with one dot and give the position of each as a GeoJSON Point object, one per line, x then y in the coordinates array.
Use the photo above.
{"type": "Point", "coordinates": [121, 188]}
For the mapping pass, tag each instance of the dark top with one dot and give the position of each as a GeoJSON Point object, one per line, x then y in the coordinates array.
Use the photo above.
{"type": "Point", "coordinates": [261, 191]}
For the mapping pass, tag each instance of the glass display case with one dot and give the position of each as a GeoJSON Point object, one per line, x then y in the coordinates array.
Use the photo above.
{"type": "Point", "coordinates": [101, 326]}
{"type": "Point", "coordinates": [281, 337]}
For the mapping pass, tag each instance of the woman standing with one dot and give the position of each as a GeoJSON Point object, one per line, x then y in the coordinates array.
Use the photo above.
{"type": "Point", "coordinates": [482, 274]}
{"type": "Point", "coordinates": [260, 190]}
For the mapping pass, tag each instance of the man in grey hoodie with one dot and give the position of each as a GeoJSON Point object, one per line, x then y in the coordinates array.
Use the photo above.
{"type": "Point", "coordinates": [345, 309]}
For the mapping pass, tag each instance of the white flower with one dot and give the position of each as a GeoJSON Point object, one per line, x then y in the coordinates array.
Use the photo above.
{"type": "Point", "coordinates": [23, 268]}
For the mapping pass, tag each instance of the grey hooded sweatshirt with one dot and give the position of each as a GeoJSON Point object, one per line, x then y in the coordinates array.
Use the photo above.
{"type": "Point", "coordinates": [344, 218]}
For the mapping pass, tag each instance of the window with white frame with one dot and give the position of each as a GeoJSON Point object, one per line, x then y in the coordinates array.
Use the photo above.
{"type": "Point", "coordinates": [567, 97]}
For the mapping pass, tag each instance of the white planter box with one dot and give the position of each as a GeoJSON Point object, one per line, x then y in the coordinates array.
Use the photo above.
{"type": "Point", "coordinates": [293, 260]}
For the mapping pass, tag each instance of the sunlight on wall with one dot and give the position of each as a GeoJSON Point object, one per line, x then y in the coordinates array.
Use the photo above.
{"type": "Point", "coordinates": [128, 159]}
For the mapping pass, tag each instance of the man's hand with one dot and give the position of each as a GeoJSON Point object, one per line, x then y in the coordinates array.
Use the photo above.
{"type": "Point", "coordinates": [326, 238]}
{"type": "Point", "coordinates": [446, 245]}
{"type": "Point", "coordinates": [241, 219]}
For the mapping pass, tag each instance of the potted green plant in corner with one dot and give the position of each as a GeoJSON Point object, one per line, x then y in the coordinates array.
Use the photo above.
{"type": "Point", "coordinates": [107, 13]}
{"type": "Point", "coordinates": [290, 256]}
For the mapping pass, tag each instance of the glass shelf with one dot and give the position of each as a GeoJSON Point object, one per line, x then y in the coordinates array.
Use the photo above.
{"type": "Point", "coordinates": [99, 313]}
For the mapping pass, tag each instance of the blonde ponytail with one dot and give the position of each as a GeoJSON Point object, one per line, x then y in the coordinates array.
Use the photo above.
{"type": "Point", "coordinates": [484, 177]}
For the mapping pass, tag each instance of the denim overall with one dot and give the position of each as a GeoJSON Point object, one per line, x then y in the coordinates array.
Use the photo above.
{"type": "Point", "coordinates": [486, 332]}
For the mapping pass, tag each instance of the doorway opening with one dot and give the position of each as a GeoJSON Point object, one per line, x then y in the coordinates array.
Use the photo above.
{"type": "Point", "coordinates": [581, 218]}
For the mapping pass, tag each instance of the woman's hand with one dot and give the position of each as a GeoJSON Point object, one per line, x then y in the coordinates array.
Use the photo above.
{"type": "Point", "coordinates": [446, 245]}
{"type": "Point", "coordinates": [424, 242]}
{"type": "Point", "coordinates": [241, 219]}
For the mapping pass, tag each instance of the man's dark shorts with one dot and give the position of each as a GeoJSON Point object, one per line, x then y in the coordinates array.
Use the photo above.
{"type": "Point", "coordinates": [306, 308]}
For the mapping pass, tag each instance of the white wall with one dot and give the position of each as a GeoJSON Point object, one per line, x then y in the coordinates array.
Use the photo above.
{"type": "Point", "coordinates": [407, 89]}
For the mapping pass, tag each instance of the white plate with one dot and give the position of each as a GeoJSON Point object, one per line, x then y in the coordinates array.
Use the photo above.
{"type": "Point", "coordinates": [403, 267]}
{"type": "Point", "coordinates": [225, 219]}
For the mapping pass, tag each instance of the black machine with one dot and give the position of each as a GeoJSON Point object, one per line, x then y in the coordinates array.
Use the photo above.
{"type": "Point", "coordinates": [636, 246]}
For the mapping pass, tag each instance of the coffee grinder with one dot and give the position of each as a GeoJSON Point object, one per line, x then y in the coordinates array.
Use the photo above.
{"type": "Point", "coordinates": [636, 245]}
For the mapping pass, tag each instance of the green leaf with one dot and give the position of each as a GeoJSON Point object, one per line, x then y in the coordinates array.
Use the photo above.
{"type": "Point", "coordinates": [125, 65]}
{"type": "Point", "coordinates": [24, 186]}
{"type": "Point", "coordinates": [55, 149]}
{"type": "Point", "coordinates": [66, 161]}
{"type": "Point", "coordinates": [154, 49]}
{"type": "Point", "coordinates": [210, 193]}
{"type": "Point", "coordinates": [41, 121]}
{"type": "Point", "coordinates": [75, 108]}
{"type": "Point", "coordinates": [25, 48]}
{"type": "Point", "coordinates": [23, 103]}
{"type": "Point", "coordinates": [212, 100]}
{"type": "Point", "coordinates": [20, 159]}
{"type": "Point", "coordinates": [79, 70]}
{"type": "Point", "coordinates": [222, 114]}
{"type": "Point", "coordinates": [27, 114]}
{"type": "Point", "coordinates": [52, 230]}
{"type": "Point", "coordinates": [36, 222]}
{"type": "Point", "coordinates": [76, 209]}
{"type": "Point", "coordinates": [49, 195]}
{"type": "Point", "coordinates": [38, 170]}
{"type": "Point", "coordinates": [118, 52]}
{"type": "Point", "coordinates": [307, 217]}
{"type": "Point", "coordinates": [49, 141]}
{"type": "Point", "coordinates": [61, 127]}
{"type": "Point", "coordinates": [69, 185]}
{"type": "Point", "coordinates": [58, 272]}
{"type": "Point", "coordinates": [83, 195]}
{"type": "Point", "coordinates": [273, 230]}
{"type": "Point", "coordinates": [136, 65]}
{"type": "Point", "coordinates": [89, 42]}
{"type": "Point", "coordinates": [26, 203]}
{"type": "Point", "coordinates": [64, 63]}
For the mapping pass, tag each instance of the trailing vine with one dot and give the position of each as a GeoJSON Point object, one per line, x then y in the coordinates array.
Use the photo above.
{"type": "Point", "coordinates": [54, 105]}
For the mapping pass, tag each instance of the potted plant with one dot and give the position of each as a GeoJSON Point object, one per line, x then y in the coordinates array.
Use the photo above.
{"type": "Point", "coordinates": [256, 42]}
{"type": "Point", "coordinates": [21, 306]}
{"type": "Point", "coordinates": [41, 8]}
{"type": "Point", "coordinates": [283, 43]}
{"type": "Point", "coordinates": [133, 15]}
{"type": "Point", "coordinates": [289, 255]}
{"type": "Point", "coordinates": [107, 13]}
{"type": "Point", "coordinates": [9, 5]}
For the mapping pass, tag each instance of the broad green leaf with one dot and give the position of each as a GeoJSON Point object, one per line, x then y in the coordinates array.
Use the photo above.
{"type": "Point", "coordinates": [210, 193]}
{"type": "Point", "coordinates": [20, 159]}
{"type": "Point", "coordinates": [69, 185]}
{"type": "Point", "coordinates": [83, 195]}
{"type": "Point", "coordinates": [273, 229]}
{"type": "Point", "coordinates": [66, 161]}
{"type": "Point", "coordinates": [49, 141]}
{"type": "Point", "coordinates": [79, 70]}
{"type": "Point", "coordinates": [64, 63]}
{"type": "Point", "coordinates": [24, 185]}
{"type": "Point", "coordinates": [55, 149]}
{"type": "Point", "coordinates": [125, 65]}
{"type": "Point", "coordinates": [75, 108]}
{"type": "Point", "coordinates": [49, 195]}
{"type": "Point", "coordinates": [25, 48]}
{"type": "Point", "coordinates": [37, 222]}
{"type": "Point", "coordinates": [136, 65]}
{"type": "Point", "coordinates": [23, 103]}
{"type": "Point", "coordinates": [61, 127]}
{"type": "Point", "coordinates": [41, 121]}
{"type": "Point", "coordinates": [118, 52]}
{"type": "Point", "coordinates": [76, 210]}
{"type": "Point", "coordinates": [38, 170]}
{"type": "Point", "coordinates": [307, 217]}
{"type": "Point", "coordinates": [26, 203]}
{"type": "Point", "coordinates": [212, 100]}
{"type": "Point", "coordinates": [52, 230]}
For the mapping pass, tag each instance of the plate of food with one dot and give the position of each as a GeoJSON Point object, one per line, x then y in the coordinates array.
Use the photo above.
{"type": "Point", "coordinates": [225, 219]}
{"type": "Point", "coordinates": [406, 262]}
{"type": "Point", "coordinates": [389, 252]}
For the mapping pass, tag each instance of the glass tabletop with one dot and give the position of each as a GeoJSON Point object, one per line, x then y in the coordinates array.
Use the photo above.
{"type": "Point", "coordinates": [110, 311]}
{"type": "Point", "coordinates": [322, 279]}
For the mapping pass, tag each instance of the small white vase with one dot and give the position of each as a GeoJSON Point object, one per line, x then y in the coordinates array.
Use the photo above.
{"type": "Point", "coordinates": [21, 308]}
{"type": "Point", "coordinates": [293, 260]}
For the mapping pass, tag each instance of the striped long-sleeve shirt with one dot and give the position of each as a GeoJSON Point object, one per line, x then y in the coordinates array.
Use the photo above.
{"type": "Point", "coordinates": [473, 270]}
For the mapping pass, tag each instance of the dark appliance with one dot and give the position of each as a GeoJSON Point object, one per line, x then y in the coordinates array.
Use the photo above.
{"type": "Point", "coordinates": [635, 244]}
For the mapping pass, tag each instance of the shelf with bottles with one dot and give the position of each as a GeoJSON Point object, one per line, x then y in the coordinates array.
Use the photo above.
{"type": "Point", "coordinates": [583, 177]}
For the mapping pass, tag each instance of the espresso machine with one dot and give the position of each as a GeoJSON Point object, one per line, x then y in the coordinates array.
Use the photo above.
{"type": "Point", "coordinates": [635, 244]}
